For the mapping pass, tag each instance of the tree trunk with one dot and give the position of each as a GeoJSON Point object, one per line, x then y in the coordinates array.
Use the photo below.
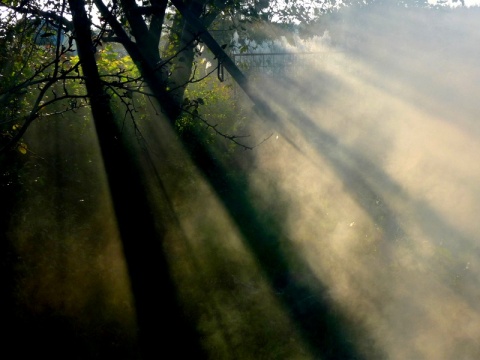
{"type": "Point", "coordinates": [162, 327]}
{"type": "Point", "coordinates": [182, 65]}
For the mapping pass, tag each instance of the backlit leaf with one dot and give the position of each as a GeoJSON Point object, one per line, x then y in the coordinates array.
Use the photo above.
{"type": "Point", "coordinates": [22, 148]}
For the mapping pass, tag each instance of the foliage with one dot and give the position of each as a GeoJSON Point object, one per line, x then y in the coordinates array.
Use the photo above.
{"type": "Point", "coordinates": [36, 72]}
{"type": "Point", "coordinates": [151, 23]}
{"type": "Point", "coordinates": [211, 105]}
{"type": "Point", "coordinates": [111, 62]}
{"type": "Point", "coordinates": [43, 54]}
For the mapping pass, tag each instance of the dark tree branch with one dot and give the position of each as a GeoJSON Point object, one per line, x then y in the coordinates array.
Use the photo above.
{"type": "Point", "coordinates": [156, 22]}
{"type": "Point", "coordinates": [28, 120]}
{"type": "Point", "coordinates": [226, 61]}
{"type": "Point", "coordinates": [147, 66]}
{"type": "Point", "coordinates": [140, 30]}
{"type": "Point", "coordinates": [44, 14]}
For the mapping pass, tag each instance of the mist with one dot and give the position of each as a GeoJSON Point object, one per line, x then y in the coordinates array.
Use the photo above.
{"type": "Point", "coordinates": [349, 232]}
{"type": "Point", "coordinates": [376, 153]}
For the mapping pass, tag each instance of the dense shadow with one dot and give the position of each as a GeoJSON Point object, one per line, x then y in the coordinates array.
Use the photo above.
{"type": "Point", "coordinates": [163, 325]}
{"type": "Point", "coordinates": [9, 188]}
{"type": "Point", "coordinates": [64, 222]}
{"type": "Point", "coordinates": [51, 236]}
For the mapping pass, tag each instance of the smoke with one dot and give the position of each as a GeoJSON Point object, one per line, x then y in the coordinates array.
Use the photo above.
{"type": "Point", "coordinates": [361, 207]}
{"type": "Point", "coordinates": [377, 153]}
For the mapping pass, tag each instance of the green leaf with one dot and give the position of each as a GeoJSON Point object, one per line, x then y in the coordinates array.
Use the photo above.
{"type": "Point", "coordinates": [22, 148]}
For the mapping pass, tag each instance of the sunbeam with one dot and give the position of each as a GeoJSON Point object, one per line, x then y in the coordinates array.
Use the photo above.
{"type": "Point", "coordinates": [346, 229]}
{"type": "Point", "coordinates": [382, 179]}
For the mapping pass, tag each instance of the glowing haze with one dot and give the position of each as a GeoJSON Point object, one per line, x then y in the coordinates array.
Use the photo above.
{"type": "Point", "coordinates": [377, 154]}
{"type": "Point", "coordinates": [371, 182]}
{"type": "Point", "coordinates": [364, 202]}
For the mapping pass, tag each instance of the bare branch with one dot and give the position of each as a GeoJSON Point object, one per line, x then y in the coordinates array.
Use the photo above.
{"type": "Point", "coordinates": [50, 15]}
{"type": "Point", "coordinates": [28, 120]}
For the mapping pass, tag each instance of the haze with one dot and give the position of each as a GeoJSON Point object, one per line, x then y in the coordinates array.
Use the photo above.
{"type": "Point", "coordinates": [352, 232]}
